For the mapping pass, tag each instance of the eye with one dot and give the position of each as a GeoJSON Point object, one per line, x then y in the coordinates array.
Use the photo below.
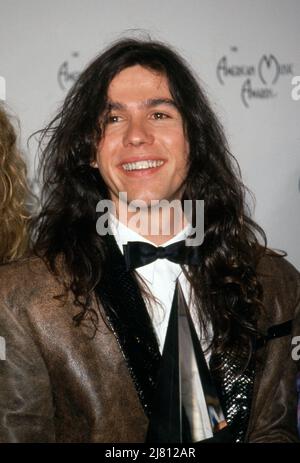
{"type": "Point", "coordinates": [112, 119]}
{"type": "Point", "coordinates": [159, 116]}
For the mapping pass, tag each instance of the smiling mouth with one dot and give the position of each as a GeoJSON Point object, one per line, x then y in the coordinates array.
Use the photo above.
{"type": "Point", "coordinates": [140, 165]}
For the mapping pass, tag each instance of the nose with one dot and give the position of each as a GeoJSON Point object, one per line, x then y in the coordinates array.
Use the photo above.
{"type": "Point", "coordinates": [137, 133]}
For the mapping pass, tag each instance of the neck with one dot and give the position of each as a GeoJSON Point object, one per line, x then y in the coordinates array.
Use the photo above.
{"type": "Point", "coordinates": [157, 225]}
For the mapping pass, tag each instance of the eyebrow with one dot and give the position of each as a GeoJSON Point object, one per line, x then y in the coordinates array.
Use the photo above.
{"type": "Point", "coordinates": [150, 103]}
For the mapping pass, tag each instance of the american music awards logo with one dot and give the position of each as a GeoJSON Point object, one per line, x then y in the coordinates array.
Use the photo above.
{"type": "Point", "coordinates": [257, 81]}
{"type": "Point", "coordinates": [68, 73]}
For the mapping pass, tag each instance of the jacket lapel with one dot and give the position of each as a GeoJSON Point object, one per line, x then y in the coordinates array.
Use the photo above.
{"type": "Point", "coordinates": [235, 388]}
{"type": "Point", "coordinates": [128, 317]}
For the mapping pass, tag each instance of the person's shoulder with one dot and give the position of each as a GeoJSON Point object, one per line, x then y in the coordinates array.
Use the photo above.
{"type": "Point", "coordinates": [25, 275]}
{"type": "Point", "coordinates": [273, 265]}
{"type": "Point", "coordinates": [280, 282]}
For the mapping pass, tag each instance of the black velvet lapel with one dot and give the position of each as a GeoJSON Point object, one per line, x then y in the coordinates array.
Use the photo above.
{"type": "Point", "coordinates": [235, 389]}
{"type": "Point", "coordinates": [127, 314]}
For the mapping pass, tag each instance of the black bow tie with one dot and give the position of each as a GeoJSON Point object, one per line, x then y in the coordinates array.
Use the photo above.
{"type": "Point", "coordinates": [138, 253]}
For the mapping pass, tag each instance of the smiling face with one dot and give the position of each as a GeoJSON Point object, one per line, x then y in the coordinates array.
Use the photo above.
{"type": "Point", "coordinates": [144, 150]}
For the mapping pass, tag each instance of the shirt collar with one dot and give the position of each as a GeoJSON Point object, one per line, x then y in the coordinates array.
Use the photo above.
{"type": "Point", "coordinates": [123, 234]}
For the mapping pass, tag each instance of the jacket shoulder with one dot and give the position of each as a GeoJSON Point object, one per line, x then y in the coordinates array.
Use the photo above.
{"type": "Point", "coordinates": [274, 259]}
{"type": "Point", "coordinates": [277, 268]}
{"type": "Point", "coordinates": [26, 277]}
{"type": "Point", "coordinates": [281, 286]}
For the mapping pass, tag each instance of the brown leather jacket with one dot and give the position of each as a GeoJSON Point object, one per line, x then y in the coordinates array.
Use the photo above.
{"type": "Point", "coordinates": [61, 384]}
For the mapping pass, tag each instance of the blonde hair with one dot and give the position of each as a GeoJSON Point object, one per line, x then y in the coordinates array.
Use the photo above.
{"type": "Point", "coordinates": [14, 194]}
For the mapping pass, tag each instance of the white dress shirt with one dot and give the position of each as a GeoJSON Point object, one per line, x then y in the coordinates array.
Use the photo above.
{"type": "Point", "coordinates": [160, 277]}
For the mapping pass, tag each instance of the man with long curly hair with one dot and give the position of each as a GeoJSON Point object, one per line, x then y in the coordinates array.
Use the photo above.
{"type": "Point", "coordinates": [129, 336]}
{"type": "Point", "coordinates": [14, 194]}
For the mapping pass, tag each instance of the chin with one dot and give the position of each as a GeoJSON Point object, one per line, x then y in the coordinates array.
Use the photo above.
{"type": "Point", "coordinates": [136, 200]}
{"type": "Point", "coordinates": [146, 198]}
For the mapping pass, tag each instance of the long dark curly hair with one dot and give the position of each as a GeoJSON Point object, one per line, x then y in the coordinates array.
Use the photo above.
{"type": "Point", "coordinates": [227, 291]}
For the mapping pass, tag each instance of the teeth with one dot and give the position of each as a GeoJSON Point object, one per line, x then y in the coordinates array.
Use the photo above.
{"type": "Point", "coordinates": [141, 165]}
